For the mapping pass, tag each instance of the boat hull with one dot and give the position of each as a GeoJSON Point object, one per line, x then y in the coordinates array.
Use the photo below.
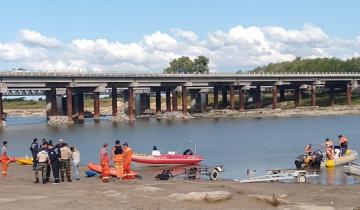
{"type": "Point", "coordinates": [340, 161]}
{"type": "Point", "coordinates": [97, 168]}
{"type": "Point", "coordinates": [166, 160]}
{"type": "Point", "coordinates": [352, 169]}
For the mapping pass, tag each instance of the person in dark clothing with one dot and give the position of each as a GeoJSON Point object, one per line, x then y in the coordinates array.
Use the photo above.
{"type": "Point", "coordinates": [34, 149]}
{"type": "Point", "coordinates": [48, 168]}
{"type": "Point", "coordinates": [54, 154]}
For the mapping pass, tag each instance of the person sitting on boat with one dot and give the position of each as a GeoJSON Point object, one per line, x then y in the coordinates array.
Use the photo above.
{"type": "Point", "coordinates": [188, 152]}
{"type": "Point", "coordinates": [343, 142]}
{"type": "Point", "coordinates": [328, 143]}
{"type": "Point", "coordinates": [308, 149]}
{"type": "Point", "coordinates": [155, 151]}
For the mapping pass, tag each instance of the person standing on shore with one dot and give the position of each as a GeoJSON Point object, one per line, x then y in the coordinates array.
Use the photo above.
{"type": "Point", "coordinates": [65, 156]}
{"type": "Point", "coordinates": [118, 160]}
{"type": "Point", "coordinates": [127, 158]}
{"type": "Point", "coordinates": [54, 161]}
{"type": "Point", "coordinates": [34, 149]}
{"type": "Point", "coordinates": [4, 159]}
{"type": "Point", "coordinates": [104, 162]}
{"type": "Point", "coordinates": [43, 160]}
{"type": "Point", "coordinates": [76, 161]}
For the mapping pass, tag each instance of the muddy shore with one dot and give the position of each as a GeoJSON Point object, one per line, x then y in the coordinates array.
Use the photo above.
{"type": "Point", "coordinates": [17, 191]}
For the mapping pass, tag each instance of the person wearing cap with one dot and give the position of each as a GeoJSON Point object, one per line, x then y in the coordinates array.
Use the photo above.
{"type": "Point", "coordinates": [127, 158]}
{"type": "Point", "coordinates": [4, 159]}
{"type": "Point", "coordinates": [117, 153]}
{"type": "Point", "coordinates": [104, 162]}
{"type": "Point", "coordinates": [43, 160]}
{"type": "Point", "coordinates": [34, 149]}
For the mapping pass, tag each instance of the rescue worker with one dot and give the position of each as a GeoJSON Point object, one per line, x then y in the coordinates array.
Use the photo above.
{"type": "Point", "coordinates": [54, 154]}
{"type": "Point", "coordinates": [343, 142]}
{"type": "Point", "coordinates": [112, 154]}
{"type": "Point", "coordinates": [118, 160]}
{"type": "Point", "coordinates": [308, 149]}
{"type": "Point", "coordinates": [4, 159]}
{"type": "Point", "coordinates": [65, 167]}
{"type": "Point", "coordinates": [127, 158]}
{"type": "Point", "coordinates": [34, 149]}
{"type": "Point", "coordinates": [76, 162]}
{"type": "Point", "coordinates": [104, 162]}
{"type": "Point", "coordinates": [42, 159]}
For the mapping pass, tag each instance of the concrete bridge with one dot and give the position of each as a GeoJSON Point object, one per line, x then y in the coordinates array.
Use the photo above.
{"type": "Point", "coordinates": [75, 85]}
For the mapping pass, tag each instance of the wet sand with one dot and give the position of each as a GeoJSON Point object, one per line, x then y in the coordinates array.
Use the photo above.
{"type": "Point", "coordinates": [18, 192]}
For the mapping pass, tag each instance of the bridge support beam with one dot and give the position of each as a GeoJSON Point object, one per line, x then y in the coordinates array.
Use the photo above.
{"type": "Point", "coordinates": [131, 103]}
{"type": "Point", "coordinates": [332, 95]}
{"type": "Point", "coordinates": [69, 107]}
{"type": "Point", "coordinates": [114, 101]}
{"type": "Point", "coordinates": [1, 109]}
{"type": "Point", "coordinates": [80, 100]}
{"type": "Point", "coordinates": [349, 94]}
{"type": "Point", "coordinates": [232, 97]}
{"type": "Point", "coordinates": [274, 97]}
{"type": "Point", "coordinates": [53, 102]}
{"type": "Point", "coordinates": [193, 100]}
{"type": "Point", "coordinates": [184, 100]}
{"type": "Point", "coordinates": [168, 101]}
{"type": "Point", "coordinates": [282, 94]}
{"type": "Point", "coordinates": [224, 98]}
{"type": "Point", "coordinates": [258, 97]}
{"type": "Point", "coordinates": [313, 95]}
{"type": "Point", "coordinates": [158, 101]}
{"type": "Point", "coordinates": [96, 105]}
{"type": "Point", "coordinates": [216, 98]}
{"type": "Point", "coordinates": [297, 96]}
{"type": "Point", "coordinates": [174, 101]}
{"type": "Point", "coordinates": [242, 99]}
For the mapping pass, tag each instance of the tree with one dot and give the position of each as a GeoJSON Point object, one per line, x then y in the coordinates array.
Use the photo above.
{"type": "Point", "coordinates": [186, 65]}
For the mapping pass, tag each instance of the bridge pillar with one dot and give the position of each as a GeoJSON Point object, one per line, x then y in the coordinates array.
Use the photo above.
{"type": "Point", "coordinates": [131, 103]}
{"type": "Point", "coordinates": [193, 100]}
{"type": "Point", "coordinates": [232, 97]}
{"type": "Point", "coordinates": [332, 95]}
{"type": "Point", "coordinates": [201, 101]}
{"type": "Point", "coordinates": [48, 104]}
{"type": "Point", "coordinates": [297, 96]}
{"type": "Point", "coordinates": [80, 100]}
{"type": "Point", "coordinates": [53, 102]}
{"type": "Point", "coordinates": [224, 97]}
{"type": "Point", "coordinates": [96, 105]}
{"type": "Point", "coordinates": [258, 97]}
{"type": "Point", "coordinates": [216, 97]}
{"type": "Point", "coordinates": [158, 101]}
{"type": "Point", "coordinates": [142, 102]}
{"type": "Point", "coordinates": [69, 107]}
{"type": "Point", "coordinates": [174, 101]}
{"type": "Point", "coordinates": [242, 99]}
{"type": "Point", "coordinates": [1, 110]}
{"type": "Point", "coordinates": [282, 94]}
{"type": "Point", "coordinates": [184, 100]}
{"type": "Point", "coordinates": [313, 95]}
{"type": "Point", "coordinates": [114, 101]}
{"type": "Point", "coordinates": [349, 94]}
{"type": "Point", "coordinates": [274, 96]}
{"type": "Point", "coordinates": [168, 101]}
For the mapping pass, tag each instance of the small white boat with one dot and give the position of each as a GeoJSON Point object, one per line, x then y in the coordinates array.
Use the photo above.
{"type": "Point", "coordinates": [349, 158]}
{"type": "Point", "coordinates": [352, 169]}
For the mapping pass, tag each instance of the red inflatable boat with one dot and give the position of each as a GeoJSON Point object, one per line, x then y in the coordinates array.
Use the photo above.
{"type": "Point", "coordinates": [166, 159]}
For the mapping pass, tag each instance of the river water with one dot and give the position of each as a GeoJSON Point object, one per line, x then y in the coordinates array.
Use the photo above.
{"type": "Point", "coordinates": [237, 144]}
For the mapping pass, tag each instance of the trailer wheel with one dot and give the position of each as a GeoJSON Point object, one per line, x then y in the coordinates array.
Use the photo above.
{"type": "Point", "coordinates": [214, 174]}
{"type": "Point", "coordinates": [301, 178]}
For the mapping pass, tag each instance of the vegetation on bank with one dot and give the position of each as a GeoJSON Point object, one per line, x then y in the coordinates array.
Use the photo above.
{"type": "Point", "coordinates": [186, 65]}
{"type": "Point", "coordinates": [313, 65]}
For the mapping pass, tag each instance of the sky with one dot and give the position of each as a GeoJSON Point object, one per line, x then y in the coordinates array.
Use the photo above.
{"type": "Point", "coordinates": [144, 36]}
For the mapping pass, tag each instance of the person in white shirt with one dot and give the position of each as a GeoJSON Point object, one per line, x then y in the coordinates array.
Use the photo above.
{"type": "Point", "coordinates": [155, 151]}
{"type": "Point", "coordinates": [43, 159]}
{"type": "Point", "coordinates": [76, 162]}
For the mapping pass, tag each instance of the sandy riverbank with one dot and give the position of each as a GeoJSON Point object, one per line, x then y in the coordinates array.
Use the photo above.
{"type": "Point", "coordinates": [17, 191]}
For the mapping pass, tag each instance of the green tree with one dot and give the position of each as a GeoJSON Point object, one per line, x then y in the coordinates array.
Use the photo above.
{"type": "Point", "coordinates": [201, 65]}
{"type": "Point", "coordinates": [186, 65]}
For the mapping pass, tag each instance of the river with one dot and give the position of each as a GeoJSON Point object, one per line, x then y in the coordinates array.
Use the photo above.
{"type": "Point", "coordinates": [237, 144]}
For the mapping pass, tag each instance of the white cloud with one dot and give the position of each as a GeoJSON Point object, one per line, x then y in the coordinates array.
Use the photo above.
{"type": "Point", "coordinates": [34, 38]}
{"type": "Point", "coordinates": [238, 48]}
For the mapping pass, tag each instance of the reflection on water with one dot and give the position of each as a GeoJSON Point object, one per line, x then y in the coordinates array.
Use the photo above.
{"type": "Point", "coordinates": [237, 144]}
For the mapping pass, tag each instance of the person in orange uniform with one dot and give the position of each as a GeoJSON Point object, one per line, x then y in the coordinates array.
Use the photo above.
{"type": "Point", "coordinates": [343, 142]}
{"type": "Point", "coordinates": [104, 162]}
{"type": "Point", "coordinates": [127, 158]}
{"type": "Point", "coordinates": [118, 159]}
{"type": "Point", "coordinates": [4, 159]}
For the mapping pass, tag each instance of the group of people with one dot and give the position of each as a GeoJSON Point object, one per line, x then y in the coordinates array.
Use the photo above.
{"type": "Point", "coordinates": [56, 158]}
{"type": "Point", "coordinates": [332, 152]}
{"type": "Point", "coordinates": [121, 157]}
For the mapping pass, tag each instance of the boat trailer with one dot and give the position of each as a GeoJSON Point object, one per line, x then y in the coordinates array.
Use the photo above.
{"type": "Point", "coordinates": [192, 173]}
{"type": "Point", "coordinates": [273, 175]}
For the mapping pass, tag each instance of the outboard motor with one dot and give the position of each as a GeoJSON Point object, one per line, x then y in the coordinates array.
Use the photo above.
{"type": "Point", "coordinates": [299, 161]}
{"type": "Point", "coordinates": [188, 152]}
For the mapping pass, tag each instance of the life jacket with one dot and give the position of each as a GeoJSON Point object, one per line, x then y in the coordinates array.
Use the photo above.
{"type": "Point", "coordinates": [128, 154]}
{"type": "Point", "coordinates": [118, 158]}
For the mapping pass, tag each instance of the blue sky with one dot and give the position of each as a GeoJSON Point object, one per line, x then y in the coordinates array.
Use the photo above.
{"type": "Point", "coordinates": [128, 22]}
